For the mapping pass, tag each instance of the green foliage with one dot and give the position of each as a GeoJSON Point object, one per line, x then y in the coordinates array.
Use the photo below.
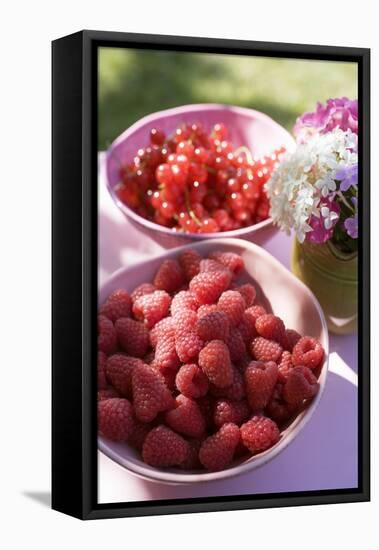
{"type": "Point", "coordinates": [133, 83]}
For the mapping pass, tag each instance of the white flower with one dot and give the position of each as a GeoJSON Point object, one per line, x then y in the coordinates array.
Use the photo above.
{"type": "Point", "coordinates": [306, 176]}
{"type": "Point", "coordinates": [329, 217]}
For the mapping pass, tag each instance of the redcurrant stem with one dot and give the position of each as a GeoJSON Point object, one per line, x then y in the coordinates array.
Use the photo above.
{"type": "Point", "coordinates": [189, 209]}
{"type": "Point", "coordinates": [247, 153]}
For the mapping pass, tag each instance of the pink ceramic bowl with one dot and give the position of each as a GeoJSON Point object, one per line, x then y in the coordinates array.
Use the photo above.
{"type": "Point", "coordinates": [280, 292]}
{"type": "Point", "coordinates": [247, 127]}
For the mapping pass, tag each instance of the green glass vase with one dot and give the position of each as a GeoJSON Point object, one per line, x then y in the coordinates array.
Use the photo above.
{"type": "Point", "coordinates": [333, 279]}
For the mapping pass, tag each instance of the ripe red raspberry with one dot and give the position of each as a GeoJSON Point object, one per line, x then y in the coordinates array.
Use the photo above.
{"type": "Point", "coordinates": [163, 448]}
{"type": "Point", "coordinates": [247, 328]}
{"type": "Point", "coordinates": [138, 435]}
{"type": "Point", "coordinates": [152, 308]}
{"type": "Point", "coordinates": [188, 346]}
{"type": "Point", "coordinates": [183, 300]}
{"type": "Point", "coordinates": [213, 326]}
{"type": "Point", "coordinates": [254, 312]}
{"type": "Point", "coordinates": [208, 286]}
{"type": "Point", "coordinates": [232, 303]}
{"type": "Point", "coordinates": [192, 461]}
{"type": "Point", "coordinates": [168, 375]}
{"type": "Point", "coordinates": [234, 392]}
{"type": "Point", "coordinates": [248, 293]}
{"type": "Point", "coordinates": [165, 353]}
{"type": "Point", "coordinates": [117, 305]}
{"type": "Point", "coordinates": [107, 393]}
{"type": "Point", "coordinates": [285, 366]}
{"type": "Point", "coordinates": [259, 433]}
{"type": "Point", "coordinates": [184, 320]}
{"type": "Point", "coordinates": [277, 408]}
{"type": "Point", "coordinates": [301, 384]}
{"type": "Point", "coordinates": [260, 380]}
{"type": "Point", "coordinates": [265, 350]}
{"type": "Point", "coordinates": [308, 352]}
{"type": "Point", "coordinates": [205, 309]}
{"type": "Point", "coordinates": [133, 336]}
{"type": "Point", "coordinates": [119, 370]}
{"type": "Point", "coordinates": [150, 393]}
{"type": "Point", "coordinates": [214, 359]}
{"type": "Point", "coordinates": [232, 261]}
{"type": "Point", "coordinates": [186, 417]}
{"type": "Point", "coordinates": [217, 451]}
{"type": "Point", "coordinates": [106, 335]}
{"type": "Point", "coordinates": [230, 411]}
{"type": "Point", "coordinates": [142, 290]}
{"type": "Point", "coordinates": [207, 265]}
{"type": "Point", "coordinates": [169, 276]}
{"type": "Point", "coordinates": [236, 345]}
{"type": "Point", "coordinates": [190, 263]}
{"type": "Point", "coordinates": [292, 337]}
{"type": "Point", "coordinates": [163, 328]}
{"type": "Point", "coordinates": [191, 381]}
{"type": "Point", "coordinates": [115, 418]}
{"type": "Point", "coordinates": [101, 377]}
{"type": "Point", "coordinates": [271, 327]}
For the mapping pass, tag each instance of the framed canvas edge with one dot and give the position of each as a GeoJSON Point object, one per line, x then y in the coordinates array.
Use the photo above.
{"type": "Point", "coordinates": [89, 508]}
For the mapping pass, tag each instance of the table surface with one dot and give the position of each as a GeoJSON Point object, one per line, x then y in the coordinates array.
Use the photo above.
{"type": "Point", "coordinates": [323, 456]}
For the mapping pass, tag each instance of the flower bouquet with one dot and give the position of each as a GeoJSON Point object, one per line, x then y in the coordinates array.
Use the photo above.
{"type": "Point", "coordinates": [314, 192]}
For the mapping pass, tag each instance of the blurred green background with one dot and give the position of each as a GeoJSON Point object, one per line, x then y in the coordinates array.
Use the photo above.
{"type": "Point", "coordinates": [133, 83]}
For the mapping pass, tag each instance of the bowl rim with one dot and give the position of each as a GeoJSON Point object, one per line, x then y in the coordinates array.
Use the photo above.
{"type": "Point", "coordinates": [150, 118]}
{"type": "Point", "coordinates": [177, 478]}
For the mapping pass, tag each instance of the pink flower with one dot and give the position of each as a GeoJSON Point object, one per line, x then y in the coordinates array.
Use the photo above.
{"type": "Point", "coordinates": [323, 226]}
{"type": "Point", "coordinates": [336, 113]}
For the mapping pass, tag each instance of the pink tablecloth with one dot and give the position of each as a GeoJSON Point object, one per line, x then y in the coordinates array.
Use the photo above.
{"type": "Point", "coordinates": [323, 456]}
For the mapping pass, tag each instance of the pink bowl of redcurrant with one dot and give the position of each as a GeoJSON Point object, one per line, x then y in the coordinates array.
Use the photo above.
{"type": "Point", "coordinates": [197, 172]}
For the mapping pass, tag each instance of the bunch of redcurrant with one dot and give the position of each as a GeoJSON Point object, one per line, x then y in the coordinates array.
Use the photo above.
{"type": "Point", "coordinates": [197, 182]}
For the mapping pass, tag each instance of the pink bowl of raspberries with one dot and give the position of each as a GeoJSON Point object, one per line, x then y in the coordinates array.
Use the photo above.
{"type": "Point", "coordinates": [196, 172]}
{"type": "Point", "coordinates": [211, 359]}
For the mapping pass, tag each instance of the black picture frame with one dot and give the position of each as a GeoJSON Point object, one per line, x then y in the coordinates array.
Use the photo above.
{"type": "Point", "coordinates": [74, 273]}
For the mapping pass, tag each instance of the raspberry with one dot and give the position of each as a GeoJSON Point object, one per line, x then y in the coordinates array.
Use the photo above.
{"type": "Point", "coordinates": [205, 309]}
{"type": "Point", "coordinates": [186, 418]}
{"type": "Point", "coordinates": [285, 366]}
{"type": "Point", "coordinates": [165, 353]}
{"type": "Point", "coordinates": [183, 321]}
{"type": "Point", "coordinates": [217, 451]}
{"type": "Point", "coordinates": [183, 300]}
{"type": "Point", "coordinates": [150, 393]}
{"type": "Point", "coordinates": [208, 265]}
{"type": "Point", "coordinates": [265, 350]}
{"type": "Point", "coordinates": [106, 335]}
{"type": "Point", "coordinates": [277, 408]}
{"type": "Point", "coordinates": [260, 380]}
{"type": "Point", "coordinates": [188, 346]}
{"type": "Point", "coordinates": [139, 434]}
{"type": "Point", "coordinates": [301, 384]}
{"type": "Point", "coordinates": [119, 370]}
{"type": "Point", "coordinates": [190, 263]}
{"type": "Point", "coordinates": [232, 261]}
{"type": "Point", "coordinates": [248, 293]}
{"type": "Point", "coordinates": [133, 336]}
{"type": "Point", "coordinates": [230, 411]}
{"type": "Point", "coordinates": [163, 448]}
{"type": "Point", "coordinates": [291, 338]}
{"type": "Point", "coordinates": [213, 326]}
{"type": "Point", "coordinates": [163, 328]}
{"type": "Point", "coordinates": [271, 327]}
{"type": "Point", "coordinates": [191, 381]}
{"type": "Point", "coordinates": [117, 305]}
{"type": "Point", "coordinates": [208, 287]}
{"type": "Point", "coordinates": [107, 393]}
{"type": "Point", "coordinates": [192, 461]}
{"type": "Point", "coordinates": [247, 328]}
{"type": "Point", "coordinates": [214, 359]}
{"type": "Point", "coordinates": [101, 378]}
{"type": "Point", "coordinates": [142, 290]}
{"type": "Point", "coordinates": [232, 303]}
{"type": "Point", "coordinates": [115, 418]}
{"type": "Point", "coordinates": [169, 376]}
{"type": "Point", "coordinates": [236, 345]}
{"type": "Point", "coordinates": [259, 433]}
{"type": "Point", "coordinates": [308, 352]}
{"type": "Point", "coordinates": [254, 312]}
{"type": "Point", "coordinates": [152, 308]}
{"type": "Point", "coordinates": [169, 276]}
